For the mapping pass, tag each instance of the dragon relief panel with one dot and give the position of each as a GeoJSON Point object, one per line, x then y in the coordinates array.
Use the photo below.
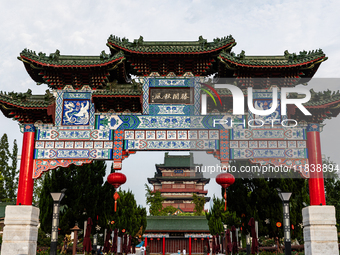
{"type": "Point", "coordinates": [76, 112]}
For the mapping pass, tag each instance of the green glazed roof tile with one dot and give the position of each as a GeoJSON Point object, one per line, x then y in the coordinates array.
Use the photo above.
{"type": "Point", "coordinates": [141, 46]}
{"type": "Point", "coordinates": [322, 98]}
{"type": "Point", "coordinates": [55, 59]}
{"type": "Point", "coordinates": [286, 60]}
{"type": "Point", "coordinates": [177, 161]}
{"type": "Point", "coordinates": [121, 89]}
{"type": "Point", "coordinates": [33, 101]}
{"type": "Point", "coordinates": [177, 223]}
{"type": "Point", "coordinates": [114, 92]}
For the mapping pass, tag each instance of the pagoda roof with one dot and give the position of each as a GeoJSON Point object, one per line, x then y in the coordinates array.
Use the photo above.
{"type": "Point", "coordinates": [285, 61]}
{"type": "Point", "coordinates": [27, 108]}
{"type": "Point", "coordinates": [322, 105]}
{"type": "Point", "coordinates": [139, 46]}
{"type": "Point", "coordinates": [289, 65]}
{"type": "Point", "coordinates": [57, 70]}
{"type": "Point", "coordinates": [177, 161]}
{"type": "Point", "coordinates": [177, 224]}
{"type": "Point", "coordinates": [163, 58]}
{"type": "Point", "coordinates": [19, 100]}
{"type": "Point", "coordinates": [69, 61]}
{"type": "Point", "coordinates": [119, 90]}
{"type": "Point", "coordinates": [324, 98]}
{"type": "Point", "coordinates": [119, 98]}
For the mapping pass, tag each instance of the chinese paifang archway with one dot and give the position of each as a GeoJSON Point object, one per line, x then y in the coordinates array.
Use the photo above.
{"type": "Point", "coordinates": [94, 110]}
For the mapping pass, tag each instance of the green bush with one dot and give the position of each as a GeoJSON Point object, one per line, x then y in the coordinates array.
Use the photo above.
{"type": "Point", "coordinates": [43, 252]}
{"type": "Point", "coordinates": [47, 252]}
{"type": "Point", "coordinates": [266, 242]}
{"type": "Point", "coordinates": [43, 240]}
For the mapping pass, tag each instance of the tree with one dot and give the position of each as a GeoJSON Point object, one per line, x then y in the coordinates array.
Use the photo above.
{"type": "Point", "coordinates": [128, 216]}
{"type": "Point", "coordinates": [154, 199]}
{"type": "Point", "coordinates": [217, 217]}
{"type": "Point", "coordinates": [37, 188]}
{"type": "Point", "coordinates": [4, 158]}
{"type": "Point", "coordinates": [169, 210]}
{"type": "Point", "coordinates": [46, 203]}
{"type": "Point", "coordinates": [199, 204]}
{"type": "Point", "coordinates": [12, 175]}
{"type": "Point", "coordinates": [8, 170]}
{"type": "Point", "coordinates": [257, 197]}
{"type": "Point", "coordinates": [2, 190]}
{"type": "Point", "coordinates": [85, 195]}
{"type": "Point", "coordinates": [332, 187]}
{"type": "Point", "coordinates": [88, 196]}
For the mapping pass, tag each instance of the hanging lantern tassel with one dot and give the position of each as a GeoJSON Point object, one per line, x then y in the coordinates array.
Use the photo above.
{"type": "Point", "coordinates": [225, 180]}
{"type": "Point", "coordinates": [116, 197]}
{"type": "Point", "coordinates": [225, 199]}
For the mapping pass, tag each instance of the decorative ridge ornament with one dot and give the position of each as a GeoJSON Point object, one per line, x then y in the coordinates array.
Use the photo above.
{"type": "Point", "coordinates": [225, 180]}
{"type": "Point", "coordinates": [116, 179]}
{"type": "Point", "coordinates": [170, 47]}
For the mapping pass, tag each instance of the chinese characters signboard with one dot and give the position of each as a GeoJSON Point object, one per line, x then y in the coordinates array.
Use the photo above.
{"type": "Point", "coordinates": [170, 96]}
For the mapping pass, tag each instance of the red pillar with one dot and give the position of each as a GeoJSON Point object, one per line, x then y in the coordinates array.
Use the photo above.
{"type": "Point", "coordinates": [25, 186]}
{"type": "Point", "coordinates": [316, 182]}
{"type": "Point", "coordinates": [145, 244]}
{"type": "Point", "coordinates": [189, 245]}
{"type": "Point", "coordinates": [163, 245]}
{"type": "Point", "coordinates": [208, 246]}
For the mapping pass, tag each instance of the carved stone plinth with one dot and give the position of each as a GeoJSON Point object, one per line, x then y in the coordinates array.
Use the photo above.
{"type": "Point", "coordinates": [20, 233]}
{"type": "Point", "coordinates": [319, 230]}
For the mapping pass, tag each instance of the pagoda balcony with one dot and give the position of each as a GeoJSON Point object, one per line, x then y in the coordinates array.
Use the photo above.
{"type": "Point", "coordinates": [183, 190]}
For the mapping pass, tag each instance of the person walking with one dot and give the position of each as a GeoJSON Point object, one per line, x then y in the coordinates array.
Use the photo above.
{"type": "Point", "coordinates": [142, 250]}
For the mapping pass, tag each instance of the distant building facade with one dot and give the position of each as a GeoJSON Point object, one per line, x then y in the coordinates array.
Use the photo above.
{"type": "Point", "coordinates": [177, 181]}
{"type": "Point", "coordinates": [168, 234]}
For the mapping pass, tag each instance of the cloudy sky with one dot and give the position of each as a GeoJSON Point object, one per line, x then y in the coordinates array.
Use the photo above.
{"type": "Point", "coordinates": [83, 27]}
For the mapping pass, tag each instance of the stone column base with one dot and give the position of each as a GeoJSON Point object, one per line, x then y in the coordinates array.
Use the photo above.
{"type": "Point", "coordinates": [20, 233]}
{"type": "Point", "coordinates": [319, 230]}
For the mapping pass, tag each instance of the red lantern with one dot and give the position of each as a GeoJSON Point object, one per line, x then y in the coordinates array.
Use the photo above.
{"type": "Point", "coordinates": [116, 179]}
{"type": "Point", "coordinates": [225, 180]}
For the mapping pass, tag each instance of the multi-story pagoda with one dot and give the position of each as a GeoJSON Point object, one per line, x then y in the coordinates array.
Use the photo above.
{"type": "Point", "coordinates": [177, 181]}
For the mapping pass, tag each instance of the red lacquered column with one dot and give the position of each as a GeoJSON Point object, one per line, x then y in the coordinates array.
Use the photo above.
{"type": "Point", "coordinates": [163, 245]}
{"type": "Point", "coordinates": [146, 243]}
{"type": "Point", "coordinates": [25, 186]}
{"type": "Point", "coordinates": [208, 246]}
{"type": "Point", "coordinates": [316, 182]}
{"type": "Point", "coordinates": [189, 245]}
